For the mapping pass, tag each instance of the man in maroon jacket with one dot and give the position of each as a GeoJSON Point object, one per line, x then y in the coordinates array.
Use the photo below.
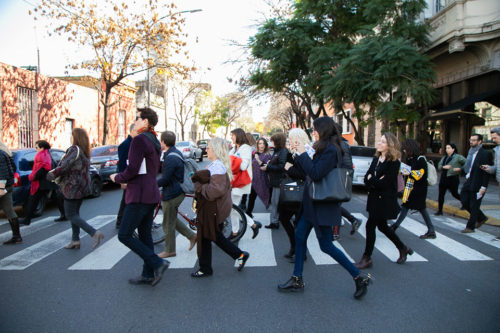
{"type": "Point", "coordinates": [142, 196]}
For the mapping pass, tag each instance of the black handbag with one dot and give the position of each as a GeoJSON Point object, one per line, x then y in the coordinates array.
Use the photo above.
{"type": "Point", "coordinates": [336, 186]}
{"type": "Point", "coordinates": [291, 191]}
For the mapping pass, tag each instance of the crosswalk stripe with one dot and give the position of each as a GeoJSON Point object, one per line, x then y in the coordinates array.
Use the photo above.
{"type": "Point", "coordinates": [450, 246]}
{"type": "Point", "coordinates": [184, 258]}
{"type": "Point", "coordinates": [30, 229]}
{"type": "Point", "coordinates": [478, 234]}
{"type": "Point", "coordinates": [319, 257]}
{"type": "Point", "coordinates": [384, 245]}
{"type": "Point", "coordinates": [104, 257]}
{"type": "Point", "coordinates": [261, 249]}
{"type": "Point", "coordinates": [31, 255]}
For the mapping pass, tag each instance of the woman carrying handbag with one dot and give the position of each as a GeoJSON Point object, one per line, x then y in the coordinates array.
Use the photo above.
{"type": "Point", "coordinates": [320, 215]}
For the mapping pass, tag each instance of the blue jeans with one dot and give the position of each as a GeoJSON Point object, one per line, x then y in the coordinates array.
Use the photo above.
{"type": "Point", "coordinates": [324, 235]}
{"type": "Point", "coordinates": [140, 216]}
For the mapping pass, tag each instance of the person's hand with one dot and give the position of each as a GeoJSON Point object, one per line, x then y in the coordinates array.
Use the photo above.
{"type": "Point", "coordinates": [264, 167]}
{"type": "Point", "coordinates": [482, 191]}
{"type": "Point", "coordinates": [288, 165]}
{"type": "Point", "coordinates": [485, 167]}
{"type": "Point", "coordinates": [447, 167]}
{"type": "Point", "coordinates": [257, 159]}
{"type": "Point", "coordinates": [404, 172]}
{"type": "Point", "coordinates": [112, 177]}
{"type": "Point", "coordinates": [457, 169]}
{"type": "Point", "coordinates": [123, 186]}
{"type": "Point", "coordinates": [369, 176]}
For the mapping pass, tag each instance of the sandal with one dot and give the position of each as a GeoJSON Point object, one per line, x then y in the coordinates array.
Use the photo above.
{"type": "Point", "coordinates": [198, 274]}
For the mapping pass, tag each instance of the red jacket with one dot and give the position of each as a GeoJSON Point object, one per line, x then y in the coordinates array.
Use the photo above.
{"type": "Point", "coordinates": [240, 178]}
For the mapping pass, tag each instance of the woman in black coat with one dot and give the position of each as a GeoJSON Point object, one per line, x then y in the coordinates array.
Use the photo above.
{"type": "Point", "coordinates": [321, 215]}
{"type": "Point", "coordinates": [382, 204]}
{"type": "Point", "coordinates": [415, 192]}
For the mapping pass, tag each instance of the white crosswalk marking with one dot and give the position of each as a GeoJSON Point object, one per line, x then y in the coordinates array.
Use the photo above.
{"type": "Point", "coordinates": [478, 234]}
{"type": "Point", "coordinates": [261, 248]}
{"type": "Point", "coordinates": [31, 255]}
{"type": "Point", "coordinates": [32, 228]}
{"type": "Point", "coordinates": [184, 258]}
{"type": "Point", "coordinates": [319, 257]}
{"type": "Point", "coordinates": [450, 246]}
{"type": "Point", "coordinates": [104, 257]}
{"type": "Point", "coordinates": [384, 245]}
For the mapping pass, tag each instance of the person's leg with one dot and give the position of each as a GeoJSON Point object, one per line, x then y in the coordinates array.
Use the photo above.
{"type": "Point", "coordinates": [465, 197]}
{"type": "Point", "coordinates": [370, 236]}
{"type": "Point", "coordinates": [475, 213]}
{"type": "Point", "coordinates": [31, 206]}
{"type": "Point", "coordinates": [275, 197]}
{"type": "Point", "coordinates": [347, 215]}
{"type": "Point", "coordinates": [235, 198]}
{"type": "Point", "coordinates": [390, 233]}
{"type": "Point", "coordinates": [60, 206]}
{"type": "Point", "coordinates": [205, 259]}
{"type": "Point", "coordinates": [442, 193]}
{"type": "Point", "coordinates": [120, 210]}
{"type": "Point", "coordinates": [227, 246]}
{"type": "Point", "coordinates": [169, 221]}
{"type": "Point", "coordinates": [134, 216]}
{"type": "Point", "coordinates": [326, 245]}
{"type": "Point", "coordinates": [401, 217]}
{"type": "Point", "coordinates": [251, 202]}
{"type": "Point", "coordinates": [76, 220]}
{"type": "Point", "coordinates": [71, 209]}
{"type": "Point", "coordinates": [427, 220]}
{"type": "Point", "coordinates": [8, 209]}
{"type": "Point", "coordinates": [285, 215]}
{"type": "Point", "coordinates": [301, 235]}
{"type": "Point", "coordinates": [453, 183]}
{"type": "Point", "coordinates": [243, 202]}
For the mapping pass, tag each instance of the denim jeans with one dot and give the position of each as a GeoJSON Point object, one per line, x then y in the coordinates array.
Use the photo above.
{"type": "Point", "coordinates": [72, 209]}
{"type": "Point", "coordinates": [324, 235]}
{"type": "Point", "coordinates": [140, 216]}
{"type": "Point", "coordinates": [425, 215]}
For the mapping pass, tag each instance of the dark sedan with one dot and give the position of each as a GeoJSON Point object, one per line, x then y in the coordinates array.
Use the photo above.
{"type": "Point", "coordinates": [24, 160]}
{"type": "Point", "coordinates": [105, 159]}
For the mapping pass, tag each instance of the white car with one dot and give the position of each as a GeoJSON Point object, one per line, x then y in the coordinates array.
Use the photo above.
{"type": "Point", "coordinates": [361, 159]}
{"type": "Point", "coordinates": [190, 150]}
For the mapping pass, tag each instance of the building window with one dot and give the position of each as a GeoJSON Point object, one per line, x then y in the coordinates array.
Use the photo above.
{"type": "Point", "coordinates": [68, 129]}
{"type": "Point", "coordinates": [344, 122]}
{"type": "Point", "coordinates": [27, 116]}
{"type": "Point", "coordinates": [486, 113]}
{"type": "Point", "coordinates": [121, 125]}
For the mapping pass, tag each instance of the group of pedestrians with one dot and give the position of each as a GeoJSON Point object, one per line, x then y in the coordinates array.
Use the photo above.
{"type": "Point", "coordinates": [241, 175]}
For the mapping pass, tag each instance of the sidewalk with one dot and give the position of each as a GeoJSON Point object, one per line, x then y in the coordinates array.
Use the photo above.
{"type": "Point", "coordinates": [490, 204]}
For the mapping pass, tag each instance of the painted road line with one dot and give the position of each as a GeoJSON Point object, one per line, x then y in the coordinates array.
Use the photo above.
{"type": "Point", "coordinates": [261, 248]}
{"type": "Point", "coordinates": [33, 254]}
{"type": "Point", "coordinates": [384, 245]}
{"type": "Point", "coordinates": [104, 257]}
{"type": "Point", "coordinates": [448, 245]}
{"type": "Point", "coordinates": [319, 257]}
{"type": "Point", "coordinates": [478, 234]}
{"type": "Point", "coordinates": [32, 228]}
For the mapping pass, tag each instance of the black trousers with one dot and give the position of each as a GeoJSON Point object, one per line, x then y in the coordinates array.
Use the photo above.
{"type": "Point", "coordinates": [224, 244]}
{"type": "Point", "coordinates": [33, 200]}
{"type": "Point", "coordinates": [371, 224]}
{"type": "Point", "coordinates": [472, 205]}
{"type": "Point", "coordinates": [347, 215]}
{"type": "Point", "coordinates": [448, 183]}
{"type": "Point", "coordinates": [120, 210]}
{"type": "Point", "coordinates": [286, 213]}
{"type": "Point", "coordinates": [60, 202]}
{"type": "Point", "coordinates": [251, 201]}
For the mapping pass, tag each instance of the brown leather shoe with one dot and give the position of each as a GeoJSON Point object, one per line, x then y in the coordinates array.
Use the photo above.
{"type": "Point", "coordinates": [365, 262]}
{"type": "Point", "coordinates": [97, 238]}
{"type": "Point", "coordinates": [467, 231]}
{"type": "Point", "coordinates": [403, 255]}
{"type": "Point", "coordinates": [73, 245]}
{"type": "Point", "coordinates": [480, 223]}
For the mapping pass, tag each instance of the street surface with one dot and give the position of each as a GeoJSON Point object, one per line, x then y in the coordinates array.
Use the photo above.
{"type": "Point", "coordinates": [450, 284]}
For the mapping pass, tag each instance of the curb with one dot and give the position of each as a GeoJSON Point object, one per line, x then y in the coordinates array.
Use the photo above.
{"type": "Point", "coordinates": [455, 211]}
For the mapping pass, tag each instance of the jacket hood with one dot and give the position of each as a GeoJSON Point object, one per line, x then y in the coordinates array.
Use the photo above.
{"type": "Point", "coordinates": [154, 140]}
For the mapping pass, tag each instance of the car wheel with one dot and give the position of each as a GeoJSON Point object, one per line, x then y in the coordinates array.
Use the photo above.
{"type": "Point", "coordinates": [41, 206]}
{"type": "Point", "coordinates": [96, 187]}
{"type": "Point", "coordinates": [201, 158]}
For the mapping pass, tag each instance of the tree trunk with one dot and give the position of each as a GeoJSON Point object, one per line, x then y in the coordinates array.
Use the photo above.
{"type": "Point", "coordinates": [357, 136]}
{"type": "Point", "coordinates": [105, 128]}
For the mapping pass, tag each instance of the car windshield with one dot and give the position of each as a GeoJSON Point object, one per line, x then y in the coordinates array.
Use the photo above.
{"type": "Point", "coordinates": [182, 144]}
{"type": "Point", "coordinates": [363, 151]}
{"type": "Point", "coordinates": [104, 151]}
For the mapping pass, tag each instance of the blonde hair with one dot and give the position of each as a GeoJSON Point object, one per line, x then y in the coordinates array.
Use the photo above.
{"type": "Point", "coordinates": [298, 134]}
{"type": "Point", "coordinates": [221, 152]}
{"type": "Point", "coordinates": [5, 148]}
{"type": "Point", "coordinates": [394, 151]}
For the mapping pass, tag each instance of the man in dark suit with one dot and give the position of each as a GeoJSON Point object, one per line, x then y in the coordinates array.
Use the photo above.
{"type": "Point", "coordinates": [123, 149]}
{"type": "Point", "coordinates": [476, 182]}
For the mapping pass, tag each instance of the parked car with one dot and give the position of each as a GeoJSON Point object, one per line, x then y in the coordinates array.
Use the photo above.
{"type": "Point", "coordinates": [105, 160]}
{"type": "Point", "coordinates": [24, 160]}
{"type": "Point", "coordinates": [189, 150]}
{"type": "Point", "coordinates": [361, 158]}
{"type": "Point", "coordinates": [202, 144]}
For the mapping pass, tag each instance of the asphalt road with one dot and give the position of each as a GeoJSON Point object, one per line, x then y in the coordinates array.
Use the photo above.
{"type": "Point", "coordinates": [451, 284]}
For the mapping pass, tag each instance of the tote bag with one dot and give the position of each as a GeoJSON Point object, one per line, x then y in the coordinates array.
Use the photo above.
{"type": "Point", "coordinates": [336, 186]}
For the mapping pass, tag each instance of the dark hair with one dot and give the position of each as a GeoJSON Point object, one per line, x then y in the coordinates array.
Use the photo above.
{"type": "Point", "coordinates": [328, 134]}
{"type": "Point", "coordinates": [168, 138]}
{"type": "Point", "coordinates": [479, 136]}
{"type": "Point", "coordinates": [81, 139]}
{"type": "Point", "coordinates": [250, 139]}
{"type": "Point", "coordinates": [452, 145]}
{"type": "Point", "coordinates": [495, 130]}
{"type": "Point", "coordinates": [411, 147]}
{"type": "Point", "coordinates": [150, 115]}
{"type": "Point", "coordinates": [42, 144]}
{"type": "Point", "coordinates": [241, 137]}
{"type": "Point", "coordinates": [266, 149]}
{"type": "Point", "coordinates": [279, 140]}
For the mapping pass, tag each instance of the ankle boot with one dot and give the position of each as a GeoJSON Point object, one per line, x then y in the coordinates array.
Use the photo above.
{"type": "Point", "coordinates": [295, 283]}
{"type": "Point", "coordinates": [365, 262]}
{"type": "Point", "coordinates": [362, 281]}
{"type": "Point", "coordinates": [403, 254]}
{"type": "Point", "coordinates": [16, 235]}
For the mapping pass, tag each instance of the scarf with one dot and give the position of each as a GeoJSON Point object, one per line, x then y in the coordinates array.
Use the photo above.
{"type": "Point", "coordinates": [470, 155]}
{"type": "Point", "coordinates": [149, 128]}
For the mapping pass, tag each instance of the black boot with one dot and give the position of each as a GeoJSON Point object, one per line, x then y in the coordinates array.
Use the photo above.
{"type": "Point", "coordinates": [16, 235]}
{"type": "Point", "coordinates": [273, 226]}
{"type": "Point", "coordinates": [295, 283]}
{"type": "Point", "coordinates": [290, 254]}
{"type": "Point", "coordinates": [255, 229]}
{"type": "Point", "coordinates": [362, 282]}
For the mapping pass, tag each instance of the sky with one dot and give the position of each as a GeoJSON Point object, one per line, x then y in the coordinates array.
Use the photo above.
{"type": "Point", "coordinates": [219, 22]}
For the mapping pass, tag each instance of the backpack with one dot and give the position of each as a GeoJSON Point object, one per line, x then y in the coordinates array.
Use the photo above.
{"type": "Point", "coordinates": [431, 172]}
{"type": "Point", "coordinates": [190, 167]}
